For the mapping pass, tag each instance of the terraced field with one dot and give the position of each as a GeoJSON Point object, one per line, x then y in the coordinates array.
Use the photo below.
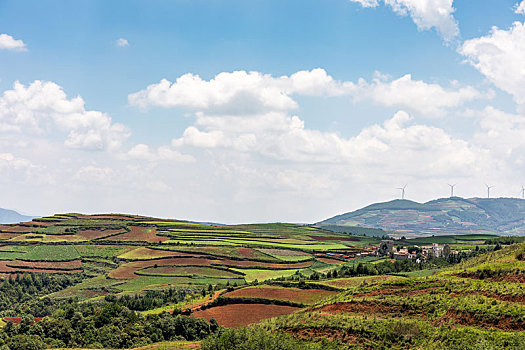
{"type": "Point", "coordinates": [141, 253]}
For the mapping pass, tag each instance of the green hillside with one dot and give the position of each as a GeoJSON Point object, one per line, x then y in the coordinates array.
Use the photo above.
{"type": "Point", "coordinates": [501, 216]}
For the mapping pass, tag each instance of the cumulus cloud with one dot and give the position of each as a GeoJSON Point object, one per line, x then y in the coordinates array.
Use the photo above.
{"type": "Point", "coordinates": [7, 42]}
{"type": "Point", "coordinates": [42, 107]}
{"type": "Point", "coordinates": [279, 136]}
{"type": "Point", "coordinates": [520, 8]}
{"type": "Point", "coordinates": [416, 95]}
{"type": "Point", "coordinates": [242, 93]}
{"type": "Point", "coordinates": [237, 92]}
{"type": "Point", "coordinates": [426, 14]}
{"type": "Point", "coordinates": [503, 134]}
{"type": "Point", "coordinates": [499, 56]}
{"type": "Point", "coordinates": [367, 3]}
{"type": "Point", "coordinates": [121, 42]}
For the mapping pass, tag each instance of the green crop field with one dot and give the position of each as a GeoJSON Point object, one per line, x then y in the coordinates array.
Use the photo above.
{"type": "Point", "coordinates": [52, 253]}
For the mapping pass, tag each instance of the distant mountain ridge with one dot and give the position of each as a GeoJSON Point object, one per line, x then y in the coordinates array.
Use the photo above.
{"type": "Point", "coordinates": [12, 217]}
{"type": "Point", "coordinates": [454, 215]}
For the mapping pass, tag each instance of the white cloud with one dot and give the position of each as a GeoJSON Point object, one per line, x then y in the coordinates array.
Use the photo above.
{"type": "Point", "coordinates": [121, 42]}
{"type": "Point", "coordinates": [253, 93]}
{"type": "Point", "coordinates": [92, 173]}
{"type": "Point", "coordinates": [15, 169]}
{"type": "Point", "coordinates": [500, 57]}
{"type": "Point", "coordinates": [144, 152]}
{"type": "Point", "coordinates": [234, 93]}
{"type": "Point", "coordinates": [42, 107]}
{"type": "Point", "coordinates": [278, 136]}
{"type": "Point", "coordinates": [419, 150]}
{"type": "Point", "coordinates": [367, 3]}
{"type": "Point", "coordinates": [520, 8]}
{"type": "Point", "coordinates": [416, 95]}
{"type": "Point", "coordinates": [7, 42]}
{"type": "Point", "coordinates": [504, 135]}
{"type": "Point", "coordinates": [428, 14]}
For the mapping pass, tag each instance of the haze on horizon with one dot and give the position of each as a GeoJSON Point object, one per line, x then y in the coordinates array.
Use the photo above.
{"type": "Point", "coordinates": [257, 111]}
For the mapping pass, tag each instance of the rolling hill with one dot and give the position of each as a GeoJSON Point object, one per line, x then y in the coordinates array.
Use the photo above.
{"type": "Point", "coordinates": [455, 215]}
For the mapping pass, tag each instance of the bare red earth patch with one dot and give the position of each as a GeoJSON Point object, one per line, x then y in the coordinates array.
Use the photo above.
{"type": "Point", "coordinates": [507, 323]}
{"type": "Point", "coordinates": [46, 265]}
{"type": "Point", "coordinates": [247, 252]}
{"type": "Point", "coordinates": [238, 315]}
{"type": "Point", "coordinates": [5, 268]}
{"type": "Point", "coordinates": [94, 234]}
{"type": "Point", "coordinates": [17, 229]}
{"type": "Point", "coordinates": [4, 236]}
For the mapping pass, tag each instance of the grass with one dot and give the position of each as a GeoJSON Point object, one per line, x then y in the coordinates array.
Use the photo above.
{"type": "Point", "coordinates": [262, 275]}
{"type": "Point", "coordinates": [350, 282]}
{"type": "Point", "coordinates": [104, 251]}
{"type": "Point", "coordinates": [52, 253]}
{"type": "Point", "coordinates": [190, 303]}
{"type": "Point", "coordinates": [184, 271]}
{"type": "Point", "coordinates": [143, 253]}
{"type": "Point", "coordinates": [85, 289]}
{"type": "Point", "coordinates": [152, 282]}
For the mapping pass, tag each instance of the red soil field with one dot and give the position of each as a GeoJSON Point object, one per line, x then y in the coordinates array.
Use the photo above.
{"type": "Point", "coordinates": [323, 238]}
{"type": "Point", "coordinates": [127, 270]}
{"type": "Point", "coordinates": [21, 229]}
{"type": "Point", "coordinates": [247, 252]}
{"type": "Point", "coordinates": [238, 315]}
{"type": "Point", "coordinates": [5, 236]}
{"type": "Point", "coordinates": [139, 233]}
{"type": "Point", "coordinates": [93, 234]}
{"type": "Point", "coordinates": [305, 296]}
{"type": "Point", "coordinates": [7, 269]}
{"type": "Point", "coordinates": [42, 223]}
{"type": "Point", "coordinates": [18, 320]}
{"type": "Point", "coordinates": [64, 265]}
{"type": "Point", "coordinates": [331, 261]}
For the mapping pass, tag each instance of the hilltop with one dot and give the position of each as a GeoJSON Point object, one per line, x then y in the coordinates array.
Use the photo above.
{"type": "Point", "coordinates": [455, 215]}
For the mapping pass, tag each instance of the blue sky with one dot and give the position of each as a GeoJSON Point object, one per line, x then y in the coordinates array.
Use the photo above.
{"type": "Point", "coordinates": [391, 92]}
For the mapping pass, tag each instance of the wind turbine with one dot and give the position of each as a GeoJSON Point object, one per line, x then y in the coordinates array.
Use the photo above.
{"type": "Point", "coordinates": [488, 190]}
{"type": "Point", "coordinates": [402, 191]}
{"type": "Point", "coordinates": [522, 192]}
{"type": "Point", "coordinates": [452, 189]}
